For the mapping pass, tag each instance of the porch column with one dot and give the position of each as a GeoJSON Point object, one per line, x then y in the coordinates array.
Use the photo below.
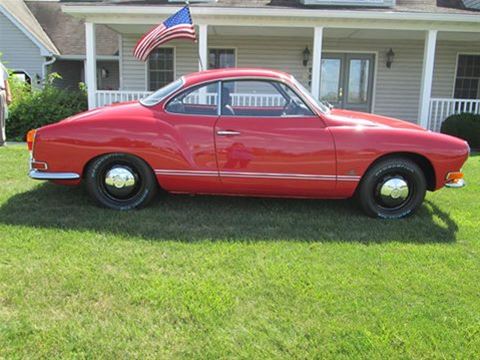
{"type": "Point", "coordinates": [317, 61]}
{"type": "Point", "coordinates": [203, 47]}
{"type": "Point", "coordinates": [91, 63]}
{"type": "Point", "coordinates": [427, 77]}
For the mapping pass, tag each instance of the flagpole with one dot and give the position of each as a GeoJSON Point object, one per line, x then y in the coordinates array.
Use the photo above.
{"type": "Point", "coordinates": [200, 58]}
{"type": "Point", "coordinates": [187, 3]}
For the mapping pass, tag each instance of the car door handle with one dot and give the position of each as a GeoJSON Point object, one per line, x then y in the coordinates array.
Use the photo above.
{"type": "Point", "coordinates": [228, 133]}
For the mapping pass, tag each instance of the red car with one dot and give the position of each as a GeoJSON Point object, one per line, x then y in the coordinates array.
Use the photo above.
{"type": "Point", "coordinates": [248, 132]}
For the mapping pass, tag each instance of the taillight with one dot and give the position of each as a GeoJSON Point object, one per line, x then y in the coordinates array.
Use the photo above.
{"type": "Point", "coordinates": [31, 139]}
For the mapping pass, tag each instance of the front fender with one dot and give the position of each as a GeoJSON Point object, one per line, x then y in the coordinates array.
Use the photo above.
{"type": "Point", "coordinates": [359, 147]}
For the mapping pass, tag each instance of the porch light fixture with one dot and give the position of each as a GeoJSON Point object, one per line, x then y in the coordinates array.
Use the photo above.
{"type": "Point", "coordinates": [390, 57]}
{"type": "Point", "coordinates": [306, 56]}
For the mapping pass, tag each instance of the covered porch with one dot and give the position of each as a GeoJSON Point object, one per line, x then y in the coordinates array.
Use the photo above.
{"type": "Point", "coordinates": [405, 68]}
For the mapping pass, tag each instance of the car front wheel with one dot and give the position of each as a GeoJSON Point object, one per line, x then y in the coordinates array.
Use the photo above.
{"type": "Point", "coordinates": [392, 189]}
{"type": "Point", "coordinates": [121, 182]}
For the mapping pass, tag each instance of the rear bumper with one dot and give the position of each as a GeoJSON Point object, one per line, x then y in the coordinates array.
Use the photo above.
{"type": "Point", "coordinates": [43, 175]}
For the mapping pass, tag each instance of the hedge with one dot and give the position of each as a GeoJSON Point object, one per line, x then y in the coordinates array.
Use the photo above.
{"type": "Point", "coordinates": [465, 126]}
{"type": "Point", "coordinates": [32, 109]}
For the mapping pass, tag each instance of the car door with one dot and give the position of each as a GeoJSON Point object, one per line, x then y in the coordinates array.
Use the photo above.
{"type": "Point", "coordinates": [268, 142]}
{"type": "Point", "coordinates": [188, 120]}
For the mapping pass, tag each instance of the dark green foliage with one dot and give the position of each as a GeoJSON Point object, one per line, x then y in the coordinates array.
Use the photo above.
{"type": "Point", "coordinates": [32, 109]}
{"type": "Point", "coordinates": [465, 126]}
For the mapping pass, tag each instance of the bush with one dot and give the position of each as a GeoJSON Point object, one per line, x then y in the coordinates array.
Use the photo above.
{"type": "Point", "coordinates": [32, 108]}
{"type": "Point", "coordinates": [465, 126]}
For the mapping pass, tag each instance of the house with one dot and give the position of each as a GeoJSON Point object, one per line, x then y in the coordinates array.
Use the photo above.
{"type": "Point", "coordinates": [37, 38]}
{"type": "Point", "coordinates": [417, 60]}
{"type": "Point", "coordinates": [24, 45]}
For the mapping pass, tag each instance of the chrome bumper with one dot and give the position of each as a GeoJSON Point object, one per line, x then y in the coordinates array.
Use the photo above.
{"type": "Point", "coordinates": [42, 175]}
{"type": "Point", "coordinates": [455, 185]}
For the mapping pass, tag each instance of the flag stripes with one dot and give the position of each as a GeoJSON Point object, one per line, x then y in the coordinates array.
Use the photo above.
{"type": "Point", "coordinates": [178, 26]}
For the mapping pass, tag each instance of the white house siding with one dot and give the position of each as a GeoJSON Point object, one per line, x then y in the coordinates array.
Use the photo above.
{"type": "Point", "coordinates": [396, 90]}
{"type": "Point", "coordinates": [445, 65]}
{"type": "Point", "coordinates": [278, 53]}
{"type": "Point", "coordinates": [19, 52]}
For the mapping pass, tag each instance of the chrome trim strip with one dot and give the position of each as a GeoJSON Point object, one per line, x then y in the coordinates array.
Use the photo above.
{"type": "Point", "coordinates": [348, 178]}
{"type": "Point", "coordinates": [41, 175]}
{"type": "Point", "coordinates": [228, 133]}
{"type": "Point", "coordinates": [277, 176]}
{"type": "Point", "coordinates": [186, 172]}
{"type": "Point", "coordinates": [255, 175]}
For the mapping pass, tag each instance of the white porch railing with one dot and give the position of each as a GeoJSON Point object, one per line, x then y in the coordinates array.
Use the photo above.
{"type": "Point", "coordinates": [263, 100]}
{"type": "Point", "coordinates": [440, 109]}
{"type": "Point", "coordinates": [110, 97]}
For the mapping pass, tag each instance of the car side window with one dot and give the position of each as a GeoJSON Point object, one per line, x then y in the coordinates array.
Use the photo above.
{"type": "Point", "coordinates": [261, 98]}
{"type": "Point", "coordinates": [199, 100]}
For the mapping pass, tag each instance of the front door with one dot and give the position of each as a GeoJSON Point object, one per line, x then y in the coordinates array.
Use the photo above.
{"type": "Point", "coordinates": [347, 80]}
{"type": "Point", "coordinates": [269, 143]}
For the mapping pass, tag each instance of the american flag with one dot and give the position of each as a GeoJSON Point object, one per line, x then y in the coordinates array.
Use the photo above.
{"type": "Point", "coordinates": [177, 26]}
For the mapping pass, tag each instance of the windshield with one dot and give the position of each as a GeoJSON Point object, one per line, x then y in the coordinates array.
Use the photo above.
{"type": "Point", "coordinates": [162, 93]}
{"type": "Point", "coordinates": [319, 104]}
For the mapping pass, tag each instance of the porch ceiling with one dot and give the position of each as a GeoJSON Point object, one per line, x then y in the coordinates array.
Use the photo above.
{"type": "Point", "coordinates": [335, 33]}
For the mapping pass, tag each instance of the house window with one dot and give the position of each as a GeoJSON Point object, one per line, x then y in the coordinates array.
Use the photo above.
{"type": "Point", "coordinates": [160, 68]}
{"type": "Point", "coordinates": [221, 58]}
{"type": "Point", "coordinates": [467, 83]}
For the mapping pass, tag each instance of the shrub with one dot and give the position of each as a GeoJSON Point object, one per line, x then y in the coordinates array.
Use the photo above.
{"type": "Point", "coordinates": [32, 108]}
{"type": "Point", "coordinates": [465, 126]}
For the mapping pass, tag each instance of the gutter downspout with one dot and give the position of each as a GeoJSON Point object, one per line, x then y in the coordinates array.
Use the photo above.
{"type": "Point", "coordinates": [46, 64]}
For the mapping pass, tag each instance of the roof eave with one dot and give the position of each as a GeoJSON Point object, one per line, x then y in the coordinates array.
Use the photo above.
{"type": "Point", "coordinates": [86, 10]}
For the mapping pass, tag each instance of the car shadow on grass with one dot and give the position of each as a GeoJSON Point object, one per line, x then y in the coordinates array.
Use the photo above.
{"type": "Point", "coordinates": [210, 218]}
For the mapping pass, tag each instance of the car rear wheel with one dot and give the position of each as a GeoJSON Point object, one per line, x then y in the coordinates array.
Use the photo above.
{"type": "Point", "coordinates": [392, 189]}
{"type": "Point", "coordinates": [121, 182]}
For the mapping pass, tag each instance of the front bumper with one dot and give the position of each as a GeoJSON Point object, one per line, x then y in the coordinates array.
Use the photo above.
{"type": "Point", "coordinates": [457, 184]}
{"type": "Point", "coordinates": [43, 175]}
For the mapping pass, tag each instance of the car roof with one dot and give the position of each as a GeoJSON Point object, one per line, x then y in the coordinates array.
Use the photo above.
{"type": "Point", "coordinates": [228, 73]}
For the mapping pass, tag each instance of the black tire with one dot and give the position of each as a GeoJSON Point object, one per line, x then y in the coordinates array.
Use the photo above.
{"type": "Point", "coordinates": [393, 188]}
{"type": "Point", "coordinates": [133, 187]}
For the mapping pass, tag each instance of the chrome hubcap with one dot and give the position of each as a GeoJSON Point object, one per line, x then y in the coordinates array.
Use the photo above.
{"type": "Point", "coordinates": [120, 177]}
{"type": "Point", "coordinates": [394, 192]}
{"type": "Point", "coordinates": [120, 181]}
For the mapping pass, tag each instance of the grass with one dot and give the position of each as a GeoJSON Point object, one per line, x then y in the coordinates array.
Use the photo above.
{"type": "Point", "coordinates": [215, 277]}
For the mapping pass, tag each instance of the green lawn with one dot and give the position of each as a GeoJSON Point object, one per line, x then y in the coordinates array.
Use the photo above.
{"type": "Point", "coordinates": [216, 277]}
